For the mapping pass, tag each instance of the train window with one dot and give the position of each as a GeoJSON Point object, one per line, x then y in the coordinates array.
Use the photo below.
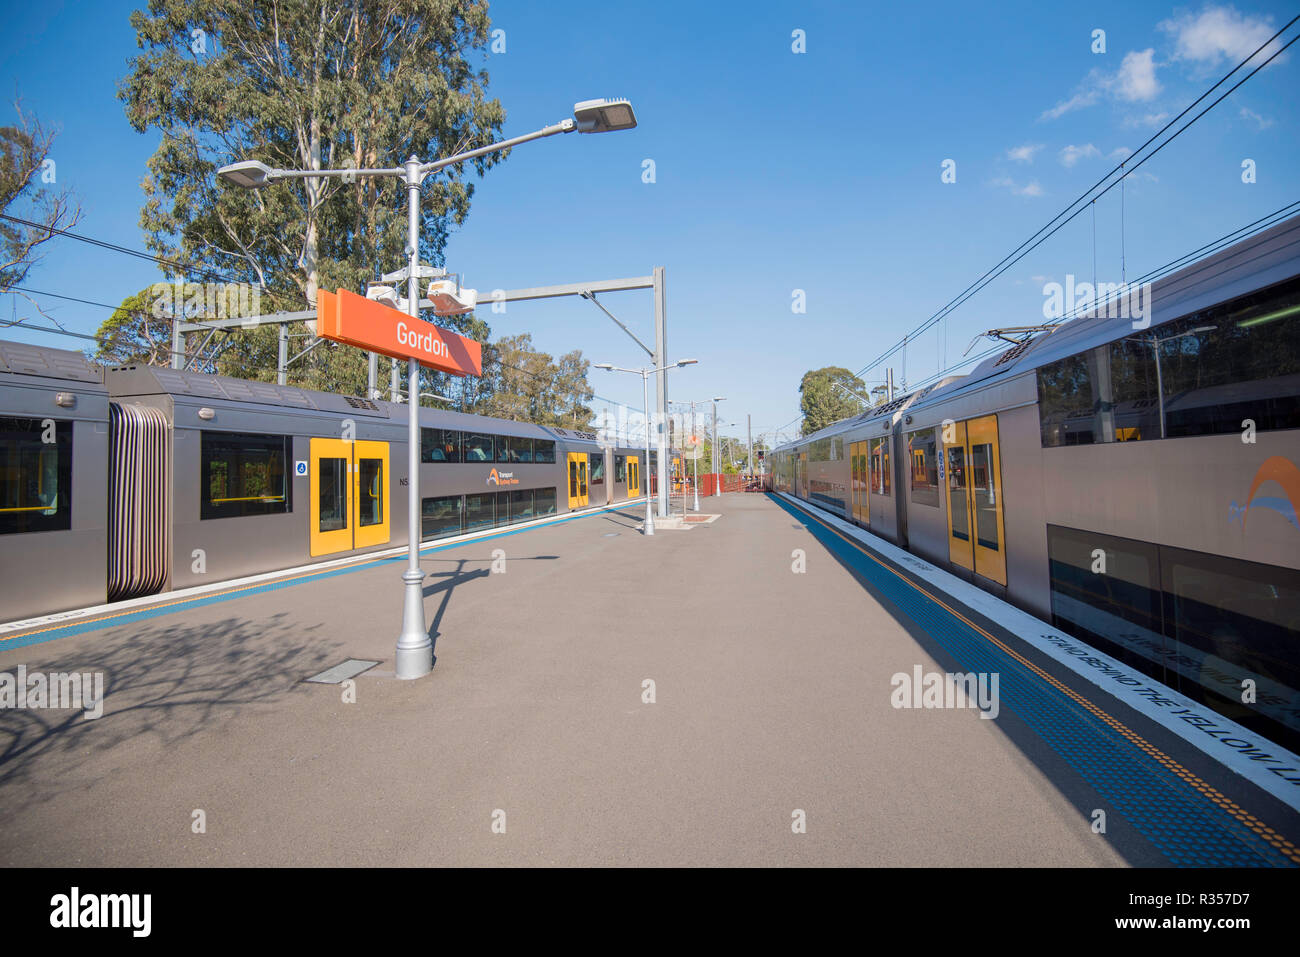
{"type": "Point", "coordinates": [244, 474]}
{"type": "Point", "coordinates": [1106, 591]}
{"type": "Point", "coordinates": [513, 449]}
{"type": "Point", "coordinates": [880, 466]}
{"type": "Point", "coordinates": [1202, 374]}
{"type": "Point", "coordinates": [829, 494]}
{"type": "Point", "coordinates": [440, 517]}
{"type": "Point", "coordinates": [1232, 621]}
{"type": "Point", "coordinates": [544, 501]}
{"type": "Point", "coordinates": [332, 477]}
{"type": "Point", "coordinates": [958, 509]}
{"type": "Point", "coordinates": [479, 447]}
{"type": "Point", "coordinates": [620, 468]}
{"type": "Point", "coordinates": [597, 476]}
{"type": "Point", "coordinates": [1066, 405]}
{"type": "Point", "coordinates": [983, 478]}
{"type": "Point", "coordinates": [521, 505]}
{"type": "Point", "coordinates": [923, 452]}
{"type": "Point", "coordinates": [371, 491]}
{"type": "Point", "coordinates": [1201, 623]}
{"type": "Point", "coordinates": [479, 511]}
{"type": "Point", "coordinates": [439, 445]}
{"type": "Point", "coordinates": [544, 451]}
{"type": "Point", "coordinates": [35, 475]}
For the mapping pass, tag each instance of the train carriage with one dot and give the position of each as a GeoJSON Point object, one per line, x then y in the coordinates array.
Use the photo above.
{"type": "Point", "coordinates": [1135, 482]}
{"type": "Point", "coordinates": [182, 479]}
{"type": "Point", "coordinates": [53, 480]}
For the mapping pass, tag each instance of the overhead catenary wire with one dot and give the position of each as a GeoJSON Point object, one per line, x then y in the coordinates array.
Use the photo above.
{"type": "Point", "coordinates": [1264, 222]}
{"type": "Point", "coordinates": [1066, 215]}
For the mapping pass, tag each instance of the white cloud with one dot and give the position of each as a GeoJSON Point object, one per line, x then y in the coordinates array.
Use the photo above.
{"type": "Point", "coordinates": [1151, 120]}
{"type": "Point", "coordinates": [1029, 189]}
{"type": "Point", "coordinates": [1207, 37]}
{"type": "Point", "coordinates": [1072, 154]}
{"type": "Point", "coordinates": [1136, 80]}
{"type": "Point", "coordinates": [1024, 154]}
{"type": "Point", "coordinates": [1261, 122]}
{"type": "Point", "coordinates": [1119, 153]}
{"type": "Point", "coordinates": [1076, 102]}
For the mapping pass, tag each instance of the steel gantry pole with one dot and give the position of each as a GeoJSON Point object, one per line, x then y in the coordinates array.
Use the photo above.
{"type": "Point", "coordinates": [661, 386]}
{"type": "Point", "coordinates": [645, 404]}
{"type": "Point", "coordinates": [717, 476]}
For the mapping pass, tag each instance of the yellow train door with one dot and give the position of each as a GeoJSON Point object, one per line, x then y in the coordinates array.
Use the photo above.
{"type": "Point", "coordinates": [973, 475]}
{"type": "Point", "coordinates": [331, 514]}
{"type": "Point", "coordinates": [986, 498]}
{"type": "Point", "coordinates": [349, 495]}
{"type": "Point", "coordinates": [633, 477]}
{"type": "Point", "coordinates": [370, 494]}
{"type": "Point", "coordinates": [577, 479]}
{"type": "Point", "coordinates": [858, 461]}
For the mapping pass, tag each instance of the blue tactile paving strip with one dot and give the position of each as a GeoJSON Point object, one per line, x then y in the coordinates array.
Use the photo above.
{"type": "Point", "coordinates": [1190, 827]}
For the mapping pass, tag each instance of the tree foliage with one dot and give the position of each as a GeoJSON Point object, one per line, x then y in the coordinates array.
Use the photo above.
{"type": "Point", "coordinates": [305, 85]}
{"type": "Point", "coordinates": [526, 385]}
{"type": "Point", "coordinates": [28, 192]}
{"type": "Point", "coordinates": [134, 334]}
{"type": "Point", "coordinates": [822, 403]}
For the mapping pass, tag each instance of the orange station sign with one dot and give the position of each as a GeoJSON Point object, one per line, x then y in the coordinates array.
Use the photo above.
{"type": "Point", "coordinates": [357, 321]}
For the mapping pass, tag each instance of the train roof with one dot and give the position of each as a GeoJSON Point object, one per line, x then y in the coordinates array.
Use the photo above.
{"type": "Point", "coordinates": [201, 388]}
{"type": "Point", "coordinates": [1264, 259]}
{"type": "Point", "coordinates": [22, 359]}
{"type": "Point", "coordinates": [890, 411]}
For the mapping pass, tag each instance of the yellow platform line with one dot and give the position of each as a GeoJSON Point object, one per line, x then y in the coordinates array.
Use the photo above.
{"type": "Point", "coordinates": [1240, 813]}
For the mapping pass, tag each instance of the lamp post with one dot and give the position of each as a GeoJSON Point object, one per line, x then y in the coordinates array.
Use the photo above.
{"type": "Point", "coordinates": [645, 375]}
{"type": "Point", "coordinates": [414, 657]}
{"type": "Point", "coordinates": [717, 476]}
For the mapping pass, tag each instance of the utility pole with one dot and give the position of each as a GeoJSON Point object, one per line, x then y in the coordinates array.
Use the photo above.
{"type": "Point", "coordinates": [749, 432]}
{"type": "Point", "coordinates": [717, 476]}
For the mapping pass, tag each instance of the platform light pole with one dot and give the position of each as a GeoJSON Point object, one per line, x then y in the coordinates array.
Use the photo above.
{"type": "Point", "coordinates": [414, 656]}
{"type": "Point", "coordinates": [717, 476]}
{"type": "Point", "coordinates": [645, 375]}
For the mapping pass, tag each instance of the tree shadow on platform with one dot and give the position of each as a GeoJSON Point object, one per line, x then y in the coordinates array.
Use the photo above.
{"type": "Point", "coordinates": [168, 680]}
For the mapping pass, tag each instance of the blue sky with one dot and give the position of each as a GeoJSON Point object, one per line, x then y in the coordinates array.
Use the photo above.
{"type": "Point", "coordinates": [774, 170]}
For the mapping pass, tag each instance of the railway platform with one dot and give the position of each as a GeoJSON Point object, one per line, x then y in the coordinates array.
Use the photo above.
{"type": "Point", "coordinates": [754, 692]}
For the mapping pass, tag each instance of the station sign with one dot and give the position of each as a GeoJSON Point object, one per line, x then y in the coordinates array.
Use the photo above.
{"type": "Point", "coordinates": [357, 321]}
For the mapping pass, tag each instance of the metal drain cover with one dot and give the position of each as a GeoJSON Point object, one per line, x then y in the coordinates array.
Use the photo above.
{"type": "Point", "coordinates": [342, 672]}
{"type": "Point", "coordinates": [610, 535]}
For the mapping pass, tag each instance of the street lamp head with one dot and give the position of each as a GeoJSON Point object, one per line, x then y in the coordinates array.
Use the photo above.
{"type": "Point", "coordinates": [249, 174]}
{"type": "Point", "coordinates": [603, 365]}
{"type": "Point", "coordinates": [604, 116]}
{"type": "Point", "coordinates": [687, 362]}
{"type": "Point", "coordinates": [719, 398]}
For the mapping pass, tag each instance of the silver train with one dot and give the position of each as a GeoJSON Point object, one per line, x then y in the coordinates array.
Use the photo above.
{"type": "Point", "coordinates": [122, 482]}
{"type": "Point", "coordinates": [1137, 487]}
